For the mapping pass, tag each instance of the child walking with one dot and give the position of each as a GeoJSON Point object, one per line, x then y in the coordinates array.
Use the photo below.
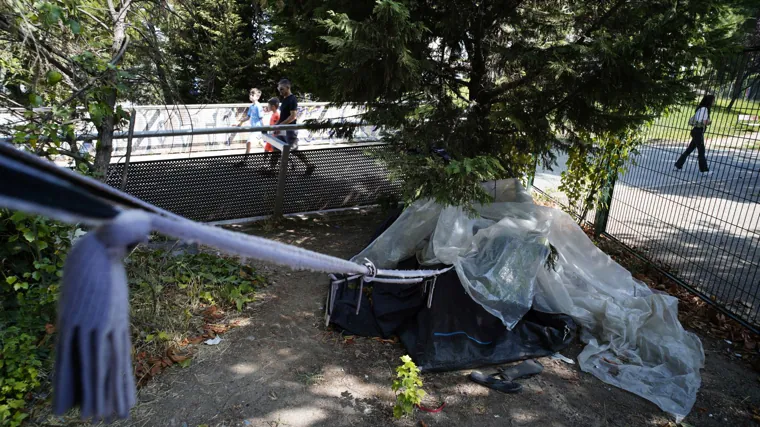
{"type": "Point", "coordinates": [256, 116]}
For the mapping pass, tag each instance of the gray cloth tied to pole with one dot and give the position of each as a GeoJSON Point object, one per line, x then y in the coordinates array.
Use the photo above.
{"type": "Point", "coordinates": [93, 367]}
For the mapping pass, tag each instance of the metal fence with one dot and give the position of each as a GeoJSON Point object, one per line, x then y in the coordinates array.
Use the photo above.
{"type": "Point", "coordinates": [221, 188]}
{"type": "Point", "coordinates": [703, 229]}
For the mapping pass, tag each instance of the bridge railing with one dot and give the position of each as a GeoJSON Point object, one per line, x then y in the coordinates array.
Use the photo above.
{"type": "Point", "coordinates": [239, 187]}
{"type": "Point", "coordinates": [182, 129]}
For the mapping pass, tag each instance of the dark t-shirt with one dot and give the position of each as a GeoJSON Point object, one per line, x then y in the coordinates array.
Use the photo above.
{"type": "Point", "coordinates": [290, 103]}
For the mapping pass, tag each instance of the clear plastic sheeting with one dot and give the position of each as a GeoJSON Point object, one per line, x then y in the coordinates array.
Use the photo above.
{"type": "Point", "coordinates": [634, 339]}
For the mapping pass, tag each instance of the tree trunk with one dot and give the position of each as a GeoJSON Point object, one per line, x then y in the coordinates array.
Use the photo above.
{"type": "Point", "coordinates": [163, 81]}
{"type": "Point", "coordinates": [106, 129]}
{"type": "Point", "coordinates": [736, 90]}
{"type": "Point", "coordinates": [480, 106]}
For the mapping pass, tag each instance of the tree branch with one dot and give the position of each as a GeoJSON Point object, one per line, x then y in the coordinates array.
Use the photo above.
{"type": "Point", "coordinates": [506, 87]}
{"type": "Point", "coordinates": [599, 22]}
{"type": "Point", "coordinates": [102, 24]}
{"type": "Point", "coordinates": [112, 9]}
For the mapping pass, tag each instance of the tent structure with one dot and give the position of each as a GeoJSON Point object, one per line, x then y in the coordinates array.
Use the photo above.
{"type": "Point", "coordinates": [502, 300]}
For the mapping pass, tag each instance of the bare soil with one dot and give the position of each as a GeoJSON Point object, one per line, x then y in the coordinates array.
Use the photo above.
{"type": "Point", "coordinates": [284, 368]}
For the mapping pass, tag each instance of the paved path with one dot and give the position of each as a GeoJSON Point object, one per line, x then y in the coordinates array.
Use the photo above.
{"type": "Point", "coordinates": [705, 228]}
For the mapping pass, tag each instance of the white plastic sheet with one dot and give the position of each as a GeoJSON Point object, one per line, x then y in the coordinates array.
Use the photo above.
{"type": "Point", "coordinates": [634, 339]}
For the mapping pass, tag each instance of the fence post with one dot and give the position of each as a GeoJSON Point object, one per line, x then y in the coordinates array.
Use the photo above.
{"type": "Point", "coordinates": [280, 195]}
{"type": "Point", "coordinates": [602, 214]}
{"type": "Point", "coordinates": [532, 174]}
{"type": "Point", "coordinates": [132, 120]}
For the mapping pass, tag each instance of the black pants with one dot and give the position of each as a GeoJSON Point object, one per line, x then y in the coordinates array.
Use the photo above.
{"type": "Point", "coordinates": [698, 142]}
{"type": "Point", "coordinates": [290, 138]}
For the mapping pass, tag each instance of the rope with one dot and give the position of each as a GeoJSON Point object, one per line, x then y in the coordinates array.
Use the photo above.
{"type": "Point", "coordinates": [93, 371]}
{"type": "Point", "coordinates": [56, 179]}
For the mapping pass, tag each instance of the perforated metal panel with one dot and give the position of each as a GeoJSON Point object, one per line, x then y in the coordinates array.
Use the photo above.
{"type": "Point", "coordinates": [220, 188]}
{"type": "Point", "coordinates": [342, 177]}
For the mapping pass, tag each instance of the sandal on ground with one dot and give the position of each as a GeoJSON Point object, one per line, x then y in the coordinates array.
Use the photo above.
{"type": "Point", "coordinates": [494, 382]}
{"type": "Point", "coordinates": [525, 369]}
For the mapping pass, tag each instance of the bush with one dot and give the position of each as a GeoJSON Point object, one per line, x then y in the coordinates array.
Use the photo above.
{"type": "Point", "coordinates": [168, 296]}
{"type": "Point", "coordinates": [32, 267]}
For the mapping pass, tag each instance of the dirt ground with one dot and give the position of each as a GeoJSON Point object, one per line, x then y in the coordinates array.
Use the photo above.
{"type": "Point", "coordinates": [284, 368]}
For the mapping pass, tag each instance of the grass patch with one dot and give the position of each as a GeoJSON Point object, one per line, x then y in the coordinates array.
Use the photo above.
{"type": "Point", "coordinates": [674, 126]}
{"type": "Point", "coordinates": [311, 378]}
{"type": "Point", "coordinates": [178, 301]}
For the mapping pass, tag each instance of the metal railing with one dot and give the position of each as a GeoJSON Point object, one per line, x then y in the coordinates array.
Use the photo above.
{"type": "Point", "coordinates": [191, 120]}
{"type": "Point", "coordinates": [240, 187]}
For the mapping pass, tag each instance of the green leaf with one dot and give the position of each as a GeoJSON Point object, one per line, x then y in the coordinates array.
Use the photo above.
{"type": "Point", "coordinates": [16, 403]}
{"type": "Point", "coordinates": [36, 275]}
{"type": "Point", "coordinates": [29, 235]}
{"type": "Point", "coordinates": [11, 279]}
{"type": "Point", "coordinates": [18, 216]}
{"type": "Point", "coordinates": [185, 363]}
{"type": "Point", "coordinates": [74, 25]}
{"type": "Point", "coordinates": [35, 100]}
{"type": "Point", "coordinates": [53, 77]}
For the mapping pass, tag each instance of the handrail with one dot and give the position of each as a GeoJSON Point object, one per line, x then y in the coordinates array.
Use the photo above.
{"type": "Point", "coordinates": [210, 131]}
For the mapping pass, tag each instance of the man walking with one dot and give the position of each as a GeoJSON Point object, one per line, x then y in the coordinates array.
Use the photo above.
{"type": "Point", "coordinates": [288, 116]}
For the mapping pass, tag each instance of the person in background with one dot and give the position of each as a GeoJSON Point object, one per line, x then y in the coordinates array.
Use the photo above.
{"type": "Point", "coordinates": [288, 116]}
{"type": "Point", "coordinates": [256, 116]}
{"type": "Point", "coordinates": [273, 106]}
{"type": "Point", "coordinates": [699, 121]}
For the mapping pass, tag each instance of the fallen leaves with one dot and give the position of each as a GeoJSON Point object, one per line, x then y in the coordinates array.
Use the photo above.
{"type": "Point", "coordinates": [147, 365]}
{"type": "Point", "coordinates": [212, 313]}
{"type": "Point", "coordinates": [392, 340]}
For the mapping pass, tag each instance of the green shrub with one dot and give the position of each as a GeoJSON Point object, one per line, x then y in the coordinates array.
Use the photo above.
{"type": "Point", "coordinates": [31, 261]}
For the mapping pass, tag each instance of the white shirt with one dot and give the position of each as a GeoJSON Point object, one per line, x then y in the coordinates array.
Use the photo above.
{"type": "Point", "coordinates": [701, 116]}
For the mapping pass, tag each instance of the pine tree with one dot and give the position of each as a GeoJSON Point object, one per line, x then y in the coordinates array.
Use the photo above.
{"type": "Point", "coordinates": [500, 83]}
{"type": "Point", "coordinates": [217, 49]}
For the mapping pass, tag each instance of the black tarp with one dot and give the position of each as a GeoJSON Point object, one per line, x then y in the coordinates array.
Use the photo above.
{"type": "Point", "coordinates": [455, 332]}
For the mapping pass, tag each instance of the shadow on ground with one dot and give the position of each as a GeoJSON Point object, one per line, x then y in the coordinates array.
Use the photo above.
{"type": "Point", "coordinates": [286, 369]}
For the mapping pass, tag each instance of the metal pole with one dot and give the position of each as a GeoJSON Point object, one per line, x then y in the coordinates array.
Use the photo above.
{"type": "Point", "coordinates": [132, 120]}
{"type": "Point", "coordinates": [602, 214]}
{"type": "Point", "coordinates": [209, 131]}
{"type": "Point", "coordinates": [280, 196]}
{"type": "Point", "coordinates": [532, 173]}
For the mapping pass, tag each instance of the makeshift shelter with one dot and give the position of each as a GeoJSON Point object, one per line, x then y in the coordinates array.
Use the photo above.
{"type": "Point", "coordinates": [504, 300]}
